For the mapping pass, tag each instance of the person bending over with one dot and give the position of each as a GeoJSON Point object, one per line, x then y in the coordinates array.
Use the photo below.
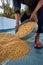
{"type": "Point", "coordinates": [34, 11]}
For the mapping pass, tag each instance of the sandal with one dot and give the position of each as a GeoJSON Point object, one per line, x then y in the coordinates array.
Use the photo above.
{"type": "Point", "coordinates": [37, 44]}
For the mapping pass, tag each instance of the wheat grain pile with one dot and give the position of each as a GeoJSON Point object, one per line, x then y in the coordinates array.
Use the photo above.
{"type": "Point", "coordinates": [25, 29]}
{"type": "Point", "coordinates": [2, 53]}
{"type": "Point", "coordinates": [12, 47]}
{"type": "Point", "coordinates": [16, 49]}
{"type": "Point", "coordinates": [5, 38]}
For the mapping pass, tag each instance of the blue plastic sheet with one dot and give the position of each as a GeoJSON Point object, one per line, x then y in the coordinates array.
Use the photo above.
{"type": "Point", "coordinates": [34, 57]}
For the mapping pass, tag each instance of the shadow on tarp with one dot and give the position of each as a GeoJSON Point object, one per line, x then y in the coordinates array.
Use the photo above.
{"type": "Point", "coordinates": [6, 30]}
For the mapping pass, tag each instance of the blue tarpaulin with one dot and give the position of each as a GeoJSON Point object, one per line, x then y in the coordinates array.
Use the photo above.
{"type": "Point", "coordinates": [34, 57]}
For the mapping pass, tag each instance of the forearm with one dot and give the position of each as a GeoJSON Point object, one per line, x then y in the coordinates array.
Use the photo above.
{"type": "Point", "coordinates": [17, 6]}
{"type": "Point", "coordinates": [39, 5]}
{"type": "Point", "coordinates": [17, 16]}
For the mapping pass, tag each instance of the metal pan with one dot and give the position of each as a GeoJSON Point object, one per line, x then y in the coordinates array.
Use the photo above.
{"type": "Point", "coordinates": [32, 32]}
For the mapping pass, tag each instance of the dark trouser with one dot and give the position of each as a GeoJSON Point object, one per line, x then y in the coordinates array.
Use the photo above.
{"type": "Point", "coordinates": [24, 17]}
{"type": "Point", "coordinates": [40, 19]}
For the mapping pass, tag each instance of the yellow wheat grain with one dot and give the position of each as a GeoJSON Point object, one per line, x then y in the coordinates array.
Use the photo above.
{"type": "Point", "coordinates": [25, 29]}
{"type": "Point", "coordinates": [11, 47]}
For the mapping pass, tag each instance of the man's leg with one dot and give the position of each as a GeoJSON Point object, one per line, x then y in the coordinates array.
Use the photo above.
{"type": "Point", "coordinates": [37, 43]}
{"type": "Point", "coordinates": [37, 37]}
{"type": "Point", "coordinates": [40, 29]}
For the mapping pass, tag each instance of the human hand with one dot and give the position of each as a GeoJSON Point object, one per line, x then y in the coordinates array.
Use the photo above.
{"type": "Point", "coordinates": [16, 28]}
{"type": "Point", "coordinates": [34, 17]}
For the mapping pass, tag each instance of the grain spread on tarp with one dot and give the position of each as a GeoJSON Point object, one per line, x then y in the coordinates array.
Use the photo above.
{"type": "Point", "coordinates": [2, 53]}
{"type": "Point", "coordinates": [12, 47]}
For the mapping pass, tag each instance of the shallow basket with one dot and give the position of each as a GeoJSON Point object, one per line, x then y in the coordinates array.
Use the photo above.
{"type": "Point", "coordinates": [32, 32]}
